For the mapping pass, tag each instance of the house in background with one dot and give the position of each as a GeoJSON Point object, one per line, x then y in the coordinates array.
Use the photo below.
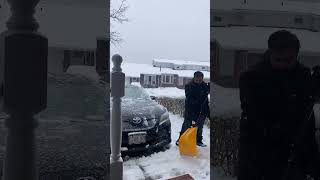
{"type": "Point", "coordinates": [239, 37]}
{"type": "Point", "coordinates": [149, 80]}
{"type": "Point", "coordinates": [154, 77]}
{"type": "Point", "coordinates": [82, 42]}
{"type": "Point", "coordinates": [181, 65]}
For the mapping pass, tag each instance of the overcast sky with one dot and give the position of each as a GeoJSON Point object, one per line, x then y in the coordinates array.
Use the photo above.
{"type": "Point", "coordinates": [171, 29]}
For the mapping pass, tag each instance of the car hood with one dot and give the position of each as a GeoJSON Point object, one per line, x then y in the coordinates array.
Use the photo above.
{"type": "Point", "coordinates": [143, 108]}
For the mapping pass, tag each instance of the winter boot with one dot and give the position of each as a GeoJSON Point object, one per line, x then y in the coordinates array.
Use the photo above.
{"type": "Point", "coordinates": [200, 143]}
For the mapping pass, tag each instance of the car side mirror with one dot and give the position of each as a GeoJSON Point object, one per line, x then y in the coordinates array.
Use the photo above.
{"type": "Point", "coordinates": [153, 97]}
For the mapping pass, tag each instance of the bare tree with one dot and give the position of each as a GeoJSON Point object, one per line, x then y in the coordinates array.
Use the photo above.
{"type": "Point", "coordinates": [117, 15]}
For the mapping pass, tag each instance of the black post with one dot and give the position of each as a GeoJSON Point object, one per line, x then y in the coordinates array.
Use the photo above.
{"type": "Point", "coordinates": [25, 54]}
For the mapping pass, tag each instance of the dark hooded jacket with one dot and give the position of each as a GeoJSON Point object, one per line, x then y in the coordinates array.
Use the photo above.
{"type": "Point", "coordinates": [196, 101]}
{"type": "Point", "coordinates": [274, 105]}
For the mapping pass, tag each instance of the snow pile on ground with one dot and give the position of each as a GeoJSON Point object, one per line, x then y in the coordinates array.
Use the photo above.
{"type": "Point", "coordinates": [172, 92]}
{"type": "Point", "coordinates": [226, 101]}
{"type": "Point", "coordinates": [85, 71]}
{"type": "Point", "coordinates": [136, 84]}
{"type": "Point", "coordinates": [168, 164]}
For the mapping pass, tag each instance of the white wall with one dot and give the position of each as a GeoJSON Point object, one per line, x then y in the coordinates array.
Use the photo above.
{"type": "Point", "coordinates": [180, 81]}
{"type": "Point", "coordinates": [226, 61]}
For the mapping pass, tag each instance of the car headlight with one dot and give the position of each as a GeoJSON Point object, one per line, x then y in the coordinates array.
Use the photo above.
{"type": "Point", "coordinates": [164, 117]}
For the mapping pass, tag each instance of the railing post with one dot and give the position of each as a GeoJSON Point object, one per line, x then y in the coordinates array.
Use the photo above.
{"type": "Point", "coordinates": [24, 53]}
{"type": "Point", "coordinates": [117, 91]}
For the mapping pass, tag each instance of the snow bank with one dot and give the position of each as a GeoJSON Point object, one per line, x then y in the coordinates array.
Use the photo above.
{"type": "Point", "coordinates": [85, 71]}
{"type": "Point", "coordinates": [226, 101]}
{"type": "Point", "coordinates": [136, 84]}
{"type": "Point", "coordinates": [168, 164]}
{"type": "Point", "coordinates": [172, 92]}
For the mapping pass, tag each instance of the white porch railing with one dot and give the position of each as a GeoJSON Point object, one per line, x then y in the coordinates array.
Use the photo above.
{"type": "Point", "coordinates": [117, 92]}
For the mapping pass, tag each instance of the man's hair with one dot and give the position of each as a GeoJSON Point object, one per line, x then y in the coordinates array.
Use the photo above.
{"type": "Point", "coordinates": [198, 74]}
{"type": "Point", "coordinates": [283, 39]}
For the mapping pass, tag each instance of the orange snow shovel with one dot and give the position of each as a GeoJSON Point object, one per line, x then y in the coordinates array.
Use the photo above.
{"type": "Point", "coordinates": [188, 142]}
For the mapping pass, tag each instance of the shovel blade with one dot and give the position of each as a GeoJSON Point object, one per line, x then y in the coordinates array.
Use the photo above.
{"type": "Point", "coordinates": [188, 143]}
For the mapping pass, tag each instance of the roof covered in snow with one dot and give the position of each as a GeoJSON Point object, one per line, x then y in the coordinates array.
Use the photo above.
{"type": "Point", "coordinates": [67, 25]}
{"type": "Point", "coordinates": [274, 5]}
{"type": "Point", "coordinates": [255, 38]}
{"type": "Point", "coordinates": [134, 70]}
{"type": "Point", "coordinates": [184, 62]}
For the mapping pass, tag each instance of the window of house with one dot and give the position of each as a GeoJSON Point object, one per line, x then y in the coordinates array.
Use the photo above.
{"type": "Point", "coordinates": [167, 79]}
{"type": "Point", "coordinates": [150, 79]}
{"type": "Point", "coordinates": [298, 20]}
{"type": "Point", "coordinates": [171, 79]}
{"type": "Point", "coordinates": [217, 18]}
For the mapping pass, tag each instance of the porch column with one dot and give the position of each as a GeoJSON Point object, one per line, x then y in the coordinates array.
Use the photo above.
{"type": "Point", "coordinates": [117, 91]}
{"type": "Point", "coordinates": [102, 56]}
{"type": "Point", "coordinates": [24, 52]}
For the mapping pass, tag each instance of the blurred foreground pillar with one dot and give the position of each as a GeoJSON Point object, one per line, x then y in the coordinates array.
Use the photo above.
{"type": "Point", "coordinates": [24, 53]}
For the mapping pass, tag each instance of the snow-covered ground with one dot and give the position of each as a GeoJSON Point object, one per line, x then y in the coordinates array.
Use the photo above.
{"type": "Point", "coordinates": [168, 164]}
{"type": "Point", "coordinates": [172, 92]}
{"type": "Point", "coordinates": [226, 101]}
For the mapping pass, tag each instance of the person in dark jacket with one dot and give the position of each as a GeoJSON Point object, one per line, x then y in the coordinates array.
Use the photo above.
{"type": "Point", "coordinates": [274, 95]}
{"type": "Point", "coordinates": [196, 105]}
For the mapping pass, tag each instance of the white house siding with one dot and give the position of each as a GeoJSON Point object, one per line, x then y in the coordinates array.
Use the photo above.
{"type": "Point", "coordinates": [146, 80]}
{"type": "Point", "coordinates": [180, 81]}
{"type": "Point", "coordinates": [226, 61]}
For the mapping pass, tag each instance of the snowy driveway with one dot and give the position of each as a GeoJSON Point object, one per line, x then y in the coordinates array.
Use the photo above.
{"type": "Point", "coordinates": [168, 164]}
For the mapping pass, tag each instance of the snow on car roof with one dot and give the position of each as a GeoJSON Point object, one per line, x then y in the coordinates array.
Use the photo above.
{"type": "Point", "coordinates": [275, 5]}
{"type": "Point", "coordinates": [135, 69]}
{"type": "Point", "coordinates": [184, 62]}
{"type": "Point", "coordinates": [255, 38]}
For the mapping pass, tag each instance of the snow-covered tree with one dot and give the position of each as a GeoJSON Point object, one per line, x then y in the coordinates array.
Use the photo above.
{"type": "Point", "coordinates": [117, 15]}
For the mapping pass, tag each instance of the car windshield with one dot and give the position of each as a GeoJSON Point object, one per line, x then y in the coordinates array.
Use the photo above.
{"type": "Point", "coordinates": [134, 92]}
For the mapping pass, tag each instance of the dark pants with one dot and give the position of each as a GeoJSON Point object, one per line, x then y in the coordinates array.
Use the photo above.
{"type": "Point", "coordinates": [187, 123]}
